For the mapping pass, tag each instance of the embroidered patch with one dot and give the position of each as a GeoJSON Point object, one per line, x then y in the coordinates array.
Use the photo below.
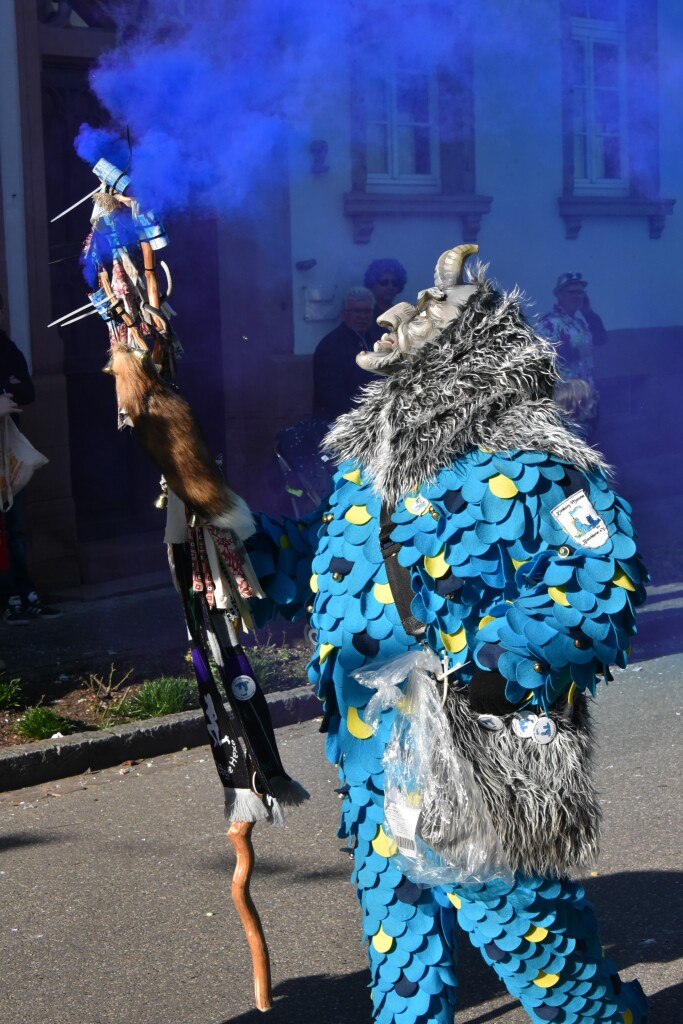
{"type": "Point", "coordinates": [417, 506]}
{"type": "Point", "coordinates": [577, 516]}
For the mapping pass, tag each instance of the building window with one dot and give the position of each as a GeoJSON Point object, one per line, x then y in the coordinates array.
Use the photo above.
{"type": "Point", "coordinates": [598, 79]}
{"type": "Point", "coordinates": [402, 137]}
{"type": "Point", "coordinates": [611, 113]}
{"type": "Point", "coordinates": [412, 139]}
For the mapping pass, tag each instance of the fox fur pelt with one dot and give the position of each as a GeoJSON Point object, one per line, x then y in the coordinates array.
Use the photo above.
{"type": "Point", "coordinates": [486, 381]}
{"type": "Point", "coordinates": [166, 427]}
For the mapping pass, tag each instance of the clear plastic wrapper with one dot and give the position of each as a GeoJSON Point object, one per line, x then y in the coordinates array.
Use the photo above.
{"type": "Point", "coordinates": [433, 808]}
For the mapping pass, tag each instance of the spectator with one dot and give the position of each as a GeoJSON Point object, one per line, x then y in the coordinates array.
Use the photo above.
{"type": "Point", "coordinates": [574, 328]}
{"type": "Point", "coordinates": [17, 591]}
{"type": "Point", "coordinates": [386, 279]}
{"type": "Point", "coordinates": [336, 375]}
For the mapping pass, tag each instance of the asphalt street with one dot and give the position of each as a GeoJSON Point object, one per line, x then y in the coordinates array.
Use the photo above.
{"type": "Point", "coordinates": [114, 887]}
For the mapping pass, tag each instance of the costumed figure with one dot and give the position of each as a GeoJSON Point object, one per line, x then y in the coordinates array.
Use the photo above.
{"type": "Point", "coordinates": [207, 524]}
{"type": "Point", "coordinates": [575, 329]}
{"type": "Point", "coordinates": [470, 580]}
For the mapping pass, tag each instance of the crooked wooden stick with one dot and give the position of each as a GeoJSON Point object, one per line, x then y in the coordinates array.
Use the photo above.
{"type": "Point", "coordinates": [239, 835]}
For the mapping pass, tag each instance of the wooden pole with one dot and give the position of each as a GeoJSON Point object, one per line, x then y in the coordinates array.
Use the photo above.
{"type": "Point", "coordinates": [239, 835]}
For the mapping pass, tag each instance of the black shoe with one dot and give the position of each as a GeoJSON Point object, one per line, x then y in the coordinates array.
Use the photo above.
{"type": "Point", "coordinates": [35, 609]}
{"type": "Point", "coordinates": [15, 614]}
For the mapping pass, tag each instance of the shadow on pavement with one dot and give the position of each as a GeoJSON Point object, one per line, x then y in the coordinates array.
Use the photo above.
{"type": "Point", "coordinates": [666, 1005]}
{"type": "Point", "coordinates": [16, 839]}
{"type": "Point", "coordinates": [344, 1000]}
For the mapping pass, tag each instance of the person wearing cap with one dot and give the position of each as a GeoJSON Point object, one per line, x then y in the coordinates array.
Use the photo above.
{"type": "Point", "coordinates": [386, 278]}
{"type": "Point", "coordinates": [574, 329]}
{"type": "Point", "coordinates": [336, 375]}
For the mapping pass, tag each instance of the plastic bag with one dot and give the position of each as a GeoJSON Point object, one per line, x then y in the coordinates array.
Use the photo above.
{"type": "Point", "coordinates": [433, 809]}
{"type": "Point", "coordinates": [18, 461]}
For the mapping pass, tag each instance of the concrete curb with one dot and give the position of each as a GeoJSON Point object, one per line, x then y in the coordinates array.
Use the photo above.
{"type": "Point", "coordinates": [46, 760]}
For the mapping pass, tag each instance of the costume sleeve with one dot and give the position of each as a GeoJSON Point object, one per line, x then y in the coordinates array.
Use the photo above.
{"type": "Point", "coordinates": [532, 572]}
{"type": "Point", "coordinates": [281, 553]}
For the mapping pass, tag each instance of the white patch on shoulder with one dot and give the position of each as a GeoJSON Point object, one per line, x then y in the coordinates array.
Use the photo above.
{"type": "Point", "coordinates": [579, 519]}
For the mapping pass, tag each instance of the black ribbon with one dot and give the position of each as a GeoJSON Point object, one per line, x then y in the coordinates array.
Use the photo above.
{"type": "Point", "coordinates": [243, 747]}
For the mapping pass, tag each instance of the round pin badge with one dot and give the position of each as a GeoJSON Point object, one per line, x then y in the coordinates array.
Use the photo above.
{"type": "Point", "coordinates": [544, 730]}
{"type": "Point", "coordinates": [243, 687]}
{"type": "Point", "coordinates": [491, 722]}
{"type": "Point", "coordinates": [523, 724]}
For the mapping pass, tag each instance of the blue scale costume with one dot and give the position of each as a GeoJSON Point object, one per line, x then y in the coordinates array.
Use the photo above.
{"type": "Point", "coordinates": [502, 586]}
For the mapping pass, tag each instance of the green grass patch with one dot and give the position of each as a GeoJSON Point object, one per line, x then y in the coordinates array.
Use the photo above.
{"type": "Point", "coordinates": [167, 695]}
{"type": "Point", "coordinates": [10, 694]}
{"type": "Point", "coordinates": [40, 723]}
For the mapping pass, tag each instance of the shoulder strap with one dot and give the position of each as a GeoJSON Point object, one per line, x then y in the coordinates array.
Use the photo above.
{"type": "Point", "coordinates": [398, 575]}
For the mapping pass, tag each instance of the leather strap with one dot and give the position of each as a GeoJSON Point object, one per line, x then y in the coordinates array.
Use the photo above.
{"type": "Point", "coordinates": [398, 576]}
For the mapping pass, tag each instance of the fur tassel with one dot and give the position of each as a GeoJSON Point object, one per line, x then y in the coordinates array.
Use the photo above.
{"type": "Point", "coordinates": [168, 431]}
{"type": "Point", "coordinates": [244, 805]}
{"type": "Point", "coordinates": [288, 791]}
{"type": "Point", "coordinates": [277, 815]}
{"type": "Point", "coordinates": [486, 381]}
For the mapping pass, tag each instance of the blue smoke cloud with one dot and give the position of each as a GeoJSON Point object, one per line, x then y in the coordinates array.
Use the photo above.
{"type": "Point", "coordinates": [206, 99]}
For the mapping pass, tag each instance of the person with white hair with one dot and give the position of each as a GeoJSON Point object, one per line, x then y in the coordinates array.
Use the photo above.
{"type": "Point", "coordinates": [336, 375]}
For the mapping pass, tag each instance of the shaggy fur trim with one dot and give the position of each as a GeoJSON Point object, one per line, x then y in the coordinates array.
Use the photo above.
{"type": "Point", "coordinates": [540, 797]}
{"type": "Point", "coordinates": [486, 381]}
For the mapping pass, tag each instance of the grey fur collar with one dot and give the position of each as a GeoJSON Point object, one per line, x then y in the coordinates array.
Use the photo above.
{"type": "Point", "coordinates": [486, 381]}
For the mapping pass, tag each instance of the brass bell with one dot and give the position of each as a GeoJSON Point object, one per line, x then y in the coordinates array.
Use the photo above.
{"type": "Point", "coordinates": [564, 551]}
{"type": "Point", "coordinates": [337, 576]}
{"type": "Point", "coordinates": [162, 500]}
{"type": "Point", "coordinates": [328, 517]}
{"type": "Point", "coordinates": [538, 667]}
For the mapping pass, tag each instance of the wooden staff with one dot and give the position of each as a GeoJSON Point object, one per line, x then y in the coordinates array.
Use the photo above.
{"type": "Point", "coordinates": [239, 835]}
{"type": "Point", "coordinates": [239, 832]}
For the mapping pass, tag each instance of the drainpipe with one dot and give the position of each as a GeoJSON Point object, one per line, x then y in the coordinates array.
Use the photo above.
{"type": "Point", "coordinates": [12, 183]}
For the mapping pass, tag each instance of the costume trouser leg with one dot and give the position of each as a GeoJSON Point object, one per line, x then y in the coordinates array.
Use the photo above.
{"type": "Point", "coordinates": [541, 937]}
{"type": "Point", "coordinates": [16, 581]}
{"type": "Point", "coordinates": [410, 931]}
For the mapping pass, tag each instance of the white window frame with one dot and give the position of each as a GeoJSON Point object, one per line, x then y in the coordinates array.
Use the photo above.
{"type": "Point", "coordinates": [393, 180]}
{"type": "Point", "coordinates": [589, 32]}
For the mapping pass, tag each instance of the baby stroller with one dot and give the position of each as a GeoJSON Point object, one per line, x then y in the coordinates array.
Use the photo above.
{"type": "Point", "coordinates": [307, 470]}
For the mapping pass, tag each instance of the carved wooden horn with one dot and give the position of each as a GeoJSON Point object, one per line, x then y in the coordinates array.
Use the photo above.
{"type": "Point", "coordinates": [449, 270]}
